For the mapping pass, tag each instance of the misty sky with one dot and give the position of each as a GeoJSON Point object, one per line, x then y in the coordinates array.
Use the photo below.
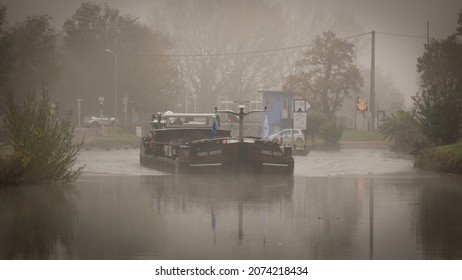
{"type": "Point", "coordinates": [395, 56]}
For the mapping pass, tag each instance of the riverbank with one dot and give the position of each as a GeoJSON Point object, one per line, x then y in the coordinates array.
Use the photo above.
{"type": "Point", "coordinates": [443, 158]}
{"type": "Point", "coordinates": [107, 138]}
{"type": "Point", "coordinates": [351, 139]}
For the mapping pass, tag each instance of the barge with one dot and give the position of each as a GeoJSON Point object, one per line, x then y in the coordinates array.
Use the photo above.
{"type": "Point", "coordinates": [194, 143]}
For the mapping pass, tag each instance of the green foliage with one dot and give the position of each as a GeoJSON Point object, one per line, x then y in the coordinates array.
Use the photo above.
{"type": "Point", "coordinates": [80, 67]}
{"type": "Point", "coordinates": [402, 130]}
{"type": "Point", "coordinates": [314, 121]}
{"type": "Point", "coordinates": [147, 79]}
{"type": "Point", "coordinates": [28, 55]}
{"type": "Point", "coordinates": [439, 103]}
{"type": "Point", "coordinates": [361, 135]}
{"type": "Point", "coordinates": [329, 74]}
{"type": "Point", "coordinates": [41, 143]}
{"type": "Point", "coordinates": [332, 133]}
{"type": "Point", "coordinates": [116, 137]}
{"type": "Point", "coordinates": [4, 46]}
{"type": "Point", "coordinates": [446, 158]}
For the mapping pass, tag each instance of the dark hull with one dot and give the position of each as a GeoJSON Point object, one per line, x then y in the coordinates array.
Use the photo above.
{"type": "Point", "coordinates": [222, 157]}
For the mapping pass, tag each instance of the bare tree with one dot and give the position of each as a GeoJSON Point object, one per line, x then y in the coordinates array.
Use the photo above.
{"type": "Point", "coordinates": [223, 40]}
{"type": "Point", "coordinates": [230, 49]}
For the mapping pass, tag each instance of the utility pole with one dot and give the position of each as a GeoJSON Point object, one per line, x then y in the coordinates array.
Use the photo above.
{"type": "Point", "coordinates": [373, 109]}
{"type": "Point", "coordinates": [428, 32]}
{"type": "Point", "coordinates": [115, 81]}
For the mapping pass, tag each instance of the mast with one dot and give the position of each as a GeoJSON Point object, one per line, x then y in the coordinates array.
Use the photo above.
{"type": "Point", "coordinates": [241, 114]}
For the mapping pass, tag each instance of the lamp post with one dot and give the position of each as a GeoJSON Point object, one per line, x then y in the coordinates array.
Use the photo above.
{"type": "Point", "coordinates": [115, 82]}
{"type": "Point", "coordinates": [78, 109]}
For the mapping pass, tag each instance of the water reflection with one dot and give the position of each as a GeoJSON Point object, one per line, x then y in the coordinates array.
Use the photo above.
{"type": "Point", "coordinates": [35, 221]}
{"type": "Point", "coordinates": [440, 218]}
{"type": "Point", "coordinates": [399, 216]}
{"type": "Point", "coordinates": [221, 214]}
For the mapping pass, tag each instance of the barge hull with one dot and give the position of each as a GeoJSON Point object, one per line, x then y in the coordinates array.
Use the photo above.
{"type": "Point", "coordinates": [180, 166]}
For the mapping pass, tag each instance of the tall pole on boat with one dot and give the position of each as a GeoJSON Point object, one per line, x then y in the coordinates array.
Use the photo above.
{"type": "Point", "coordinates": [241, 122]}
{"type": "Point", "coordinates": [241, 114]}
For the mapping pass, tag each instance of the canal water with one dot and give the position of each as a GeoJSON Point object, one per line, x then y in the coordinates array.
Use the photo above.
{"type": "Point", "coordinates": [352, 204]}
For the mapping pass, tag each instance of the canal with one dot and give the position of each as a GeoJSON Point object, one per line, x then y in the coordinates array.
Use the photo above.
{"type": "Point", "coordinates": [352, 204]}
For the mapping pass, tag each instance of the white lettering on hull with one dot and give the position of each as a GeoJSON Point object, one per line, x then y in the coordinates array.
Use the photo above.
{"type": "Point", "coordinates": [271, 153]}
{"type": "Point", "coordinates": [209, 153]}
{"type": "Point", "coordinates": [275, 164]}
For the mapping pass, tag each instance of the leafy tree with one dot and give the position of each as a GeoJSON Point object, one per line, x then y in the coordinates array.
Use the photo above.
{"type": "Point", "coordinates": [332, 133]}
{"type": "Point", "coordinates": [3, 13]}
{"type": "Point", "coordinates": [144, 73]}
{"type": "Point", "coordinates": [314, 121]}
{"type": "Point", "coordinates": [4, 55]}
{"type": "Point", "coordinates": [41, 143]}
{"type": "Point", "coordinates": [30, 55]}
{"type": "Point", "coordinates": [328, 76]}
{"type": "Point", "coordinates": [402, 130]}
{"type": "Point", "coordinates": [439, 103]}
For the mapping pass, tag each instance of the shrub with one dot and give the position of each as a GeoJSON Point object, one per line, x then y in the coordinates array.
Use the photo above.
{"type": "Point", "coordinates": [40, 142]}
{"type": "Point", "coordinates": [314, 121]}
{"type": "Point", "coordinates": [402, 129]}
{"type": "Point", "coordinates": [332, 133]}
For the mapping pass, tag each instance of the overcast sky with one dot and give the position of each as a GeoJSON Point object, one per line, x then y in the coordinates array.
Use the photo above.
{"type": "Point", "coordinates": [395, 56]}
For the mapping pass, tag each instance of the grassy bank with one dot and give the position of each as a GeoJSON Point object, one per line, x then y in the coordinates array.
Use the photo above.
{"type": "Point", "coordinates": [443, 158]}
{"type": "Point", "coordinates": [109, 138]}
{"type": "Point", "coordinates": [361, 135]}
{"type": "Point", "coordinates": [116, 137]}
{"type": "Point", "coordinates": [350, 136]}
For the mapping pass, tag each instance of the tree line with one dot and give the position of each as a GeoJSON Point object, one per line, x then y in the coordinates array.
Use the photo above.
{"type": "Point", "coordinates": [436, 116]}
{"type": "Point", "coordinates": [174, 62]}
{"type": "Point", "coordinates": [75, 63]}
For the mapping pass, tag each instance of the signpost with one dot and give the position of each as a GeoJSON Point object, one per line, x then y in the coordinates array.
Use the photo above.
{"type": "Point", "coordinates": [125, 103]}
{"type": "Point", "coordinates": [301, 106]}
{"type": "Point", "coordinates": [101, 104]}
{"type": "Point", "coordinates": [299, 120]}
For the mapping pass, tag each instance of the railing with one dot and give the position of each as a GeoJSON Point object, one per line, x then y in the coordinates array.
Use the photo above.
{"type": "Point", "coordinates": [167, 150]}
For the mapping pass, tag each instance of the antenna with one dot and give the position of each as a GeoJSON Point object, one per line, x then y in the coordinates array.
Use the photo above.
{"type": "Point", "coordinates": [241, 114]}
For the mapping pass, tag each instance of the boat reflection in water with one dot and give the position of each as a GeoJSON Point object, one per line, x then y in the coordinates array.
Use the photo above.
{"type": "Point", "coordinates": [234, 217]}
{"type": "Point", "coordinates": [232, 212]}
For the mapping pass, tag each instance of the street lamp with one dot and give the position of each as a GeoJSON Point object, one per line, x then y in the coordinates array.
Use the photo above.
{"type": "Point", "coordinates": [115, 82]}
{"type": "Point", "coordinates": [78, 109]}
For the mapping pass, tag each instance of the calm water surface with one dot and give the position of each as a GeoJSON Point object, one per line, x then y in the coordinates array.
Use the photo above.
{"type": "Point", "coordinates": [352, 204]}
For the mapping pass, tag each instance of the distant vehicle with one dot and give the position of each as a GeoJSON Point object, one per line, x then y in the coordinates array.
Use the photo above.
{"type": "Point", "coordinates": [288, 136]}
{"type": "Point", "coordinates": [99, 120]}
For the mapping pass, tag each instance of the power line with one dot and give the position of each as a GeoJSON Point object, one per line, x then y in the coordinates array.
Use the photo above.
{"type": "Point", "coordinates": [257, 52]}
{"type": "Point", "coordinates": [401, 35]}
{"type": "Point", "coordinates": [231, 53]}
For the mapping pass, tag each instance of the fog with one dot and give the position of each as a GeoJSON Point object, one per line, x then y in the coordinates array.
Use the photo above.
{"type": "Point", "coordinates": [401, 28]}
